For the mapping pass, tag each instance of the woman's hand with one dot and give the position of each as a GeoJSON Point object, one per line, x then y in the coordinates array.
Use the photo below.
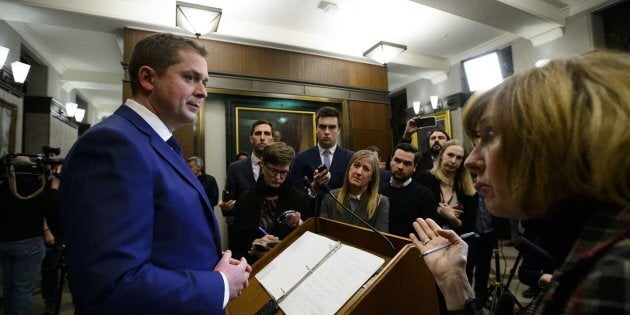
{"type": "Point", "coordinates": [450, 213]}
{"type": "Point", "coordinates": [447, 265]}
{"type": "Point", "coordinates": [260, 247]}
{"type": "Point", "coordinates": [295, 220]}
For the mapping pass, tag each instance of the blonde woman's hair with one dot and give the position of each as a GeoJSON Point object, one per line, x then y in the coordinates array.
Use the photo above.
{"type": "Point", "coordinates": [371, 193]}
{"type": "Point", "coordinates": [563, 130]}
{"type": "Point", "coordinates": [463, 180]}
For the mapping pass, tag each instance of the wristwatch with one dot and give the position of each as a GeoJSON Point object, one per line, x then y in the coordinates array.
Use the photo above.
{"type": "Point", "coordinates": [471, 305]}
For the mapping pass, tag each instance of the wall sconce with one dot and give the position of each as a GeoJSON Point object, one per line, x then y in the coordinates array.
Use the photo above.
{"type": "Point", "coordinates": [79, 114]}
{"type": "Point", "coordinates": [197, 19]}
{"type": "Point", "coordinates": [71, 109]}
{"type": "Point", "coordinates": [384, 52]}
{"type": "Point", "coordinates": [434, 101]}
{"type": "Point", "coordinates": [416, 107]}
{"type": "Point", "coordinates": [4, 53]}
{"type": "Point", "coordinates": [20, 71]}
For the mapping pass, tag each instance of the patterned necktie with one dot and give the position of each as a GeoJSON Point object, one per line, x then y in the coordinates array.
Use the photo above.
{"type": "Point", "coordinates": [327, 158]}
{"type": "Point", "coordinates": [174, 145]}
{"type": "Point", "coordinates": [257, 170]}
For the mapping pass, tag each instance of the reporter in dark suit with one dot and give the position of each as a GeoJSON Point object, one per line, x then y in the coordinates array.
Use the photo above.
{"type": "Point", "coordinates": [328, 127]}
{"type": "Point", "coordinates": [242, 174]}
{"type": "Point", "coordinates": [142, 237]}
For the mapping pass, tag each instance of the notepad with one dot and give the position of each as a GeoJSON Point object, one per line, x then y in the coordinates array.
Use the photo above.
{"type": "Point", "coordinates": [317, 275]}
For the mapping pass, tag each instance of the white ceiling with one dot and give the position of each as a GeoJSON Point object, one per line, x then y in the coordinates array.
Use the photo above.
{"type": "Point", "coordinates": [82, 39]}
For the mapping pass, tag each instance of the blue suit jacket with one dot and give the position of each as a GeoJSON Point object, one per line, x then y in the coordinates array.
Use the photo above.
{"type": "Point", "coordinates": [308, 160]}
{"type": "Point", "coordinates": [142, 237]}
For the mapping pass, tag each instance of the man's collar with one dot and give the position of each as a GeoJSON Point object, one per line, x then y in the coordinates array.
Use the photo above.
{"type": "Point", "coordinates": [151, 118]}
{"type": "Point", "coordinates": [407, 182]}
{"type": "Point", "coordinates": [332, 149]}
{"type": "Point", "coordinates": [255, 159]}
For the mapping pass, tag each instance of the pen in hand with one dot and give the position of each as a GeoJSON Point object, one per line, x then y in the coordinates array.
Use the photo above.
{"type": "Point", "coordinates": [463, 236]}
{"type": "Point", "coordinates": [262, 230]}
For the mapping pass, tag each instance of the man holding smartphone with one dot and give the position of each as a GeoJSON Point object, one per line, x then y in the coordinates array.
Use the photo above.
{"type": "Point", "coordinates": [327, 152]}
{"type": "Point", "coordinates": [243, 174]}
{"type": "Point", "coordinates": [436, 139]}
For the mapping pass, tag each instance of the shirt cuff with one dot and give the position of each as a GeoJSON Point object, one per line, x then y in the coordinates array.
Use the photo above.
{"type": "Point", "coordinates": [226, 293]}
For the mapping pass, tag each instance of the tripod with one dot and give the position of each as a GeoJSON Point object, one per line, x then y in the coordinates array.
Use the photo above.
{"type": "Point", "coordinates": [497, 287]}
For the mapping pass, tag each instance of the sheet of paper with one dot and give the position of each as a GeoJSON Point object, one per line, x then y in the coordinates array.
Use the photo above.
{"type": "Point", "coordinates": [290, 266]}
{"type": "Point", "coordinates": [329, 286]}
{"type": "Point", "coordinates": [333, 283]}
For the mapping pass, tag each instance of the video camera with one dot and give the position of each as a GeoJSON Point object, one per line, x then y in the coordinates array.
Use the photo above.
{"type": "Point", "coordinates": [31, 164]}
{"type": "Point", "coordinates": [21, 167]}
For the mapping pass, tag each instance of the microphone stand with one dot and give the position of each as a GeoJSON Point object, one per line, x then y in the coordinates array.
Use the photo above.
{"type": "Point", "coordinates": [326, 189]}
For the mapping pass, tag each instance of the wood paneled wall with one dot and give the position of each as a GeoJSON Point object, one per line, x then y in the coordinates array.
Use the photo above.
{"type": "Point", "coordinates": [368, 123]}
{"type": "Point", "coordinates": [231, 58]}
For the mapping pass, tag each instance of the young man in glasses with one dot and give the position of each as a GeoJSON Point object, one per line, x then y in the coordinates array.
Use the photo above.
{"type": "Point", "coordinates": [272, 209]}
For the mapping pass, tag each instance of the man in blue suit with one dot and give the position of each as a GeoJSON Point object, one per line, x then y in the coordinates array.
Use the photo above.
{"type": "Point", "coordinates": [327, 151]}
{"type": "Point", "coordinates": [142, 237]}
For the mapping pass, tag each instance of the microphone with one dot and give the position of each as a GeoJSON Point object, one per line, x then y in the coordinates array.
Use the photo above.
{"type": "Point", "coordinates": [535, 252]}
{"type": "Point", "coordinates": [326, 189]}
{"type": "Point", "coordinates": [505, 305]}
{"type": "Point", "coordinates": [309, 190]}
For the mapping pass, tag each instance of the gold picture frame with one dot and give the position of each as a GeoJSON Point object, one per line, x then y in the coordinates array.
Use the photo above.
{"type": "Point", "coordinates": [295, 127]}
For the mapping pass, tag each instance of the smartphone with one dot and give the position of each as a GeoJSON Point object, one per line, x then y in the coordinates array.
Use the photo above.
{"type": "Point", "coordinates": [423, 122]}
{"type": "Point", "coordinates": [226, 196]}
{"type": "Point", "coordinates": [322, 167]}
{"type": "Point", "coordinates": [285, 216]}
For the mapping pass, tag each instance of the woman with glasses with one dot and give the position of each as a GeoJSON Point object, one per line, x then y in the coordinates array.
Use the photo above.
{"type": "Point", "coordinates": [272, 209]}
{"type": "Point", "coordinates": [360, 194]}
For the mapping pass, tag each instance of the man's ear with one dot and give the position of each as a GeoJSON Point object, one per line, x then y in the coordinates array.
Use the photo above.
{"type": "Point", "coordinates": [251, 139]}
{"type": "Point", "coordinates": [146, 75]}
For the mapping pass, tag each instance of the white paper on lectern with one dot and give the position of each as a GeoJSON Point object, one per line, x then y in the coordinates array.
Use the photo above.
{"type": "Point", "coordinates": [330, 285]}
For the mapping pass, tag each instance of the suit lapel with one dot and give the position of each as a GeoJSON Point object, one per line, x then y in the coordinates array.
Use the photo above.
{"type": "Point", "coordinates": [171, 157]}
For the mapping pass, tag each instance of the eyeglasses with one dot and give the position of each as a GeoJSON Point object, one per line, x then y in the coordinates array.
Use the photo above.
{"type": "Point", "coordinates": [275, 172]}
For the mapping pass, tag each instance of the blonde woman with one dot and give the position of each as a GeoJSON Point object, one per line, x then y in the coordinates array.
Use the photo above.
{"type": "Point", "coordinates": [360, 194]}
{"type": "Point", "coordinates": [453, 187]}
{"type": "Point", "coordinates": [553, 143]}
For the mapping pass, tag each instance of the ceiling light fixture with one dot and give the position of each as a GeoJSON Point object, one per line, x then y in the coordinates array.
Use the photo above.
{"type": "Point", "coordinates": [4, 53]}
{"type": "Point", "coordinates": [384, 52]}
{"type": "Point", "coordinates": [197, 19]}
{"type": "Point", "coordinates": [20, 71]}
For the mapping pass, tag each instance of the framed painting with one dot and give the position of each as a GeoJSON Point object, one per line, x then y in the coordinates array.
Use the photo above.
{"type": "Point", "coordinates": [295, 128]}
{"type": "Point", "coordinates": [8, 120]}
{"type": "Point", "coordinates": [442, 121]}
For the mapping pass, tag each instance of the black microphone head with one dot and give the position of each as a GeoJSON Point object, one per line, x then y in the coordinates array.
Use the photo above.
{"type": "Point", "coordinates": [534, 252]}
{"type": "Point", "coordinates": [505, 305]}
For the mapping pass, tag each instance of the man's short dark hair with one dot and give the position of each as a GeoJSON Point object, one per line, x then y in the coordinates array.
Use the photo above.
{"type": "Point", "coordinates": [242, 153]}
{"type": "Point", "coordinates": [328, 111]}
{"type": "Point", "coordinates": [407, 147]}
{"type": "Point", "coordinates": [261, 122]}
{"type": "Point", "coordinates": [159, 51]}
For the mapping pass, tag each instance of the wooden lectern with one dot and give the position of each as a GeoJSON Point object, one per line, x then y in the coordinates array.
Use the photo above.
{"type": "Point", "coordinates": [403, 285]}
